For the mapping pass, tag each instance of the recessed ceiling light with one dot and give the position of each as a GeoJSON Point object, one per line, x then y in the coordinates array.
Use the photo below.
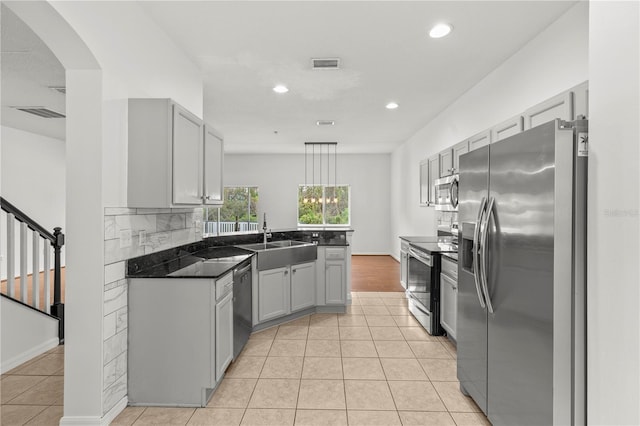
{"type": "Point", "coordinates": [392, 105]}
{"type": "Point", "coordinates": [440, 30]}
{"type": "Point", "coordinates": [325, 123]}
{"type": "Point", "coordinates": [280, 89]}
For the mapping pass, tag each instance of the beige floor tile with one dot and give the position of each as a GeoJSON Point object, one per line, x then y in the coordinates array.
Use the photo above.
{"type": "Point", "coordinates": [398, 310]}
{"type": "Point", "coordinates": [440, 370]}
{"type": "Point", "coordinates": [233, 393]}
{"type": "Point", "coordinates": [299, 322]}
{"type": "Point", "coordinates": [395, 302]}
{"type": "Point", "coordinates": [355, 333]}
{"type": "Point", "coordinates": [323, 348]}
{"type": "Point", "coordinates": [373, 418]}
{"type": "Point", "coordinates": [371, 301]}
{"type": "Point", "coordinates": [322, 368]}
{"type": "Point", "coordinates": [257, 347]}
{"type": "Point", "coordinates": [376, 310]}
{"type": "Point", "coordinates": [216, 416]}
{"type": "Point", "coordinates": [57, 350]}
{"type": "Point", "coordinates": [406, 321]}
{"type": "Point", "coordinates": [454, 399]}
{"type": "Point", "coordinates": [268, 417]}
{"type": "Point", "coordinates": [128, 416]}
{"type": "Point", "coordinates": [324, 333]}
{"type": "Point", "coordinates": [358, 349]}
{"type": "Point", "coordinates": [49, 391]}
{"type": "Point", "coordinates": [368, 395]}
{"type": "Point", "coordinates": [470, 419]}
{"type": "Point", "coordinates": [386, 333]}
{"type": "Point", "coordinates": [393, 349]}
{"type": "Point", "coordinates": [380, 321]}
{"type": "Point", "coordinates": [417, 334]}
{"type": "Point", "coordinates": [450, 347]}
{"type": "Point", "coordinates": [364, 294]}
{"type": "Point", "coordinates": [354, 310]}
{"type": "Point", "coordinates": [402, 369]}
{"type": "Point", "coordinates": [392, 295]}
{"type": "Point", "coordinates": [268, 333]}
{"type": "Point", "coordinates": [43, 366]}
{"type": "Point", "coordinates": [362, 369]}
{"type": "Point", "coordinates": [288, 348]}
{"type": "Point", "coordinates": [323, 320]}
{"type": "Point", "coordinates": [426, 418]}
{"type": "Point", "coordinates": [430, 350]}
{"type": "Point", "coordinates": [246, 367]}
{"type": "Point", "coordinates": [282, 367]}
{"type": "Point", "coordinates": [322, 394]}
{"type": "Point", "coordinates": [292, 332]}
{"type": "Point", "coordinates": [275, 393]}
{"type": "Point", "coordinates": [49, 417]}
{"type": "Point", "coordinates": [321, 418]}
{"type": "Point", "coordinates": [416, 396]}
{"type": "Point", "coordinates": [165, 416]}
{"type": "Point", "coordinates": [12, 386]}
{"type": "Point", "coordinates": [19, 414]}
{"type": "Point", "coordinates": [352, 321]}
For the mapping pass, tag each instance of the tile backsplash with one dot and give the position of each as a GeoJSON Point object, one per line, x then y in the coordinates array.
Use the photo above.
{"type": "Point", "coordinates": [445, 219]}
{"type": "Point", "coordinates": [131, 233]}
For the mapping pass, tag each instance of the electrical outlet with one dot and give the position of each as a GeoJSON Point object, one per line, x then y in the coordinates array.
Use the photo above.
{"type": "Point", "coordinates": [142, 238]}
{"type": "Point", "coordinates": [125, 238]}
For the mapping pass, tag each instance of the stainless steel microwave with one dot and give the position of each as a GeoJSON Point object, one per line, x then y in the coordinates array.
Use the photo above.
{"type": "Point", "coordinates": [446, 193]}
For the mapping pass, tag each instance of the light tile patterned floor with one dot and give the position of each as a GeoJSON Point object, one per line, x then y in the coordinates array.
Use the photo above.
{"type": "Point", "coordinates": [372, 366]}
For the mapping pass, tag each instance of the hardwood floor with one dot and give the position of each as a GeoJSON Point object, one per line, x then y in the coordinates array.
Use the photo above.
{"type": "Point", "coordinates": [375, 273]}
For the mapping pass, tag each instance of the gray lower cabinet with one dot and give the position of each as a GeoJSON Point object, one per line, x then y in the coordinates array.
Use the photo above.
{"type": "Point", "coordinates": [336, 275]}
{"type": "Point", "coordinates": [224, 334]}
{"type": "Point", "coordinates": [175, 329]}
{"type": "Point", "coordinates": [303, 286]}
{"type": "Point", "coordinates": [273, 293]}
{"type": "Point", "coordinates": [449, 297]}
{"type": "Point", "coordinates": [404, 263]}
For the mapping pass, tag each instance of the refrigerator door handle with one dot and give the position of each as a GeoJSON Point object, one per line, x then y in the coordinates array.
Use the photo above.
{"type": "Point", "coordinates": [483, 254]}
{"type": "Point", "coordinates": [476, 258]}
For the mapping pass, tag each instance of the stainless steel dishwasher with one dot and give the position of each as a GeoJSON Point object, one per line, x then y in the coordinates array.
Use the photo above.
{"type": "Point", "coordinates": [242, 320]}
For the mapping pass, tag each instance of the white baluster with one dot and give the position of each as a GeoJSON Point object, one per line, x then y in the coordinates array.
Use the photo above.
{"type": "Point", "coordinates": [47, 274]}
{"type": "Point", "coordinates": [11, 254]}
{"type": "Point", "coordinates": [35, 271]}
{"type": "Point", "coordinates": [23, 262]}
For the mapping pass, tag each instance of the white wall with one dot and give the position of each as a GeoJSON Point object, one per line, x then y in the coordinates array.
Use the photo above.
{"type": "Point", "coordinates": [613, 230]}
{"type": "Point", "coordinates": [278, 177]}
{"type": "Point", "coordinates": [553, 61]}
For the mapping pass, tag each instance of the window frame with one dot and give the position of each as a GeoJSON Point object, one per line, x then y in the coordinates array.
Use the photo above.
{"type": "Point", "coordinates": [218, 208]}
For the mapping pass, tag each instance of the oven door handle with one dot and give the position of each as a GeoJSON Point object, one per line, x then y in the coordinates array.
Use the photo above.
{"type": "Point", "coordinates": [476, 257]}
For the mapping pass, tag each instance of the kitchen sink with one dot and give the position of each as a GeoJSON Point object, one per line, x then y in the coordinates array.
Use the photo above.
{"type": "Point", "coordinates": [276, 254]}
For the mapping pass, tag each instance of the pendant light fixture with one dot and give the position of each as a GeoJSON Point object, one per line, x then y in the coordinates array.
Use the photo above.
{"type": "Point", "coordinates": [321, 154]}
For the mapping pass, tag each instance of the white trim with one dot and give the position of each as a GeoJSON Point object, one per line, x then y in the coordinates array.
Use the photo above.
{"type": "Point", "coordinates": [28, 355]}
{"type": "Point", "coordinates": [115, 410]}
{"type": "Point", "coordinates": [81, 421]}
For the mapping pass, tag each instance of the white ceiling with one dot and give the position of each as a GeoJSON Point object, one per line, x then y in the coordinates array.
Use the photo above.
{"type": "Point", "coordinates": [28, 69]}
{"type": "Point", "coordinates": [244, 48]}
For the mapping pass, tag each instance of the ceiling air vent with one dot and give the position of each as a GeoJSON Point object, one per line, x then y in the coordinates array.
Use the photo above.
{"type": "Point", "coordinates": [40, 112]}
{"type": "Point", "coordinates": [325, 123]}
{"type": "Point", "coordinates": [325, 63]}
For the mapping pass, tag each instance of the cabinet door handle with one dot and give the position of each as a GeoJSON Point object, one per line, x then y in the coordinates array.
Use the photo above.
{"type": "Point", "coordinates": [293, 271]}
{"type": "Point", "coordinates": [286, 272]}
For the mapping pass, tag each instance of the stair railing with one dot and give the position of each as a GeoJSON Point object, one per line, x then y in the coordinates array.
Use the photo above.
{"type": "Point", "coordinates": [55, 240]}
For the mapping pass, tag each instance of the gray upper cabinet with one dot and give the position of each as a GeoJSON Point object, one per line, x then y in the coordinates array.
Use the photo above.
{"type": "Point", "coordinates": [446, 162]}
{"type": "Point", "coordinates": [458, 150]}
{"type": "Point", "coordinates": [507, 128]}
{"type": "Point", "coordinates": [173, 161]}
{"type": "Point", "coordinates": [560, 106]}
{"type": "Point", "coordinates": [213, 166]}
{"type": "Point", "coordinates": [581, 100]}
{"type": "Point", "coordinates": [479, 140]}
{"type": "Point", "coordinates": [424, 183]}
{"type": "Point", "coordinates": [434, 173]}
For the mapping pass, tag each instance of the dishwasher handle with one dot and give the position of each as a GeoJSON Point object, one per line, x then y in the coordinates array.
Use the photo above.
{"type": "Point", "coordinates": [241, 271]}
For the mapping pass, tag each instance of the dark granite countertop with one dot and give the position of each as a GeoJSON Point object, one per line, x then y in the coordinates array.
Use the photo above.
{"type": "Point", "coordinates": [432, 244]}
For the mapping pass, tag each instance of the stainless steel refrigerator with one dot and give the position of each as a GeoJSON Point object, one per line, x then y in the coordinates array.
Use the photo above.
{"type": "Point", "coordinates": [521, 295]}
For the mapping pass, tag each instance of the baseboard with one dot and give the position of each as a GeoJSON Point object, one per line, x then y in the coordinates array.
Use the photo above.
{"type": "Point", "coordinates": [95, 420]}
{"type": "Point", "coordinates": [28, 355]}
{"type": "Point", "coordinates": [113, 413]}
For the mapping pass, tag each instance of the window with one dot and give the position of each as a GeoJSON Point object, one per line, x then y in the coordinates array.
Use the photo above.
{"type": "Point", "coordinates": [239, 213]}
{"type": "Point", "coordinates": [324, 205]}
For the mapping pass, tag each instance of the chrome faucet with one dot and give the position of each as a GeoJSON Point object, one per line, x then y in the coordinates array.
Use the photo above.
{"type": "Point", "coordinates": [264, 229]}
